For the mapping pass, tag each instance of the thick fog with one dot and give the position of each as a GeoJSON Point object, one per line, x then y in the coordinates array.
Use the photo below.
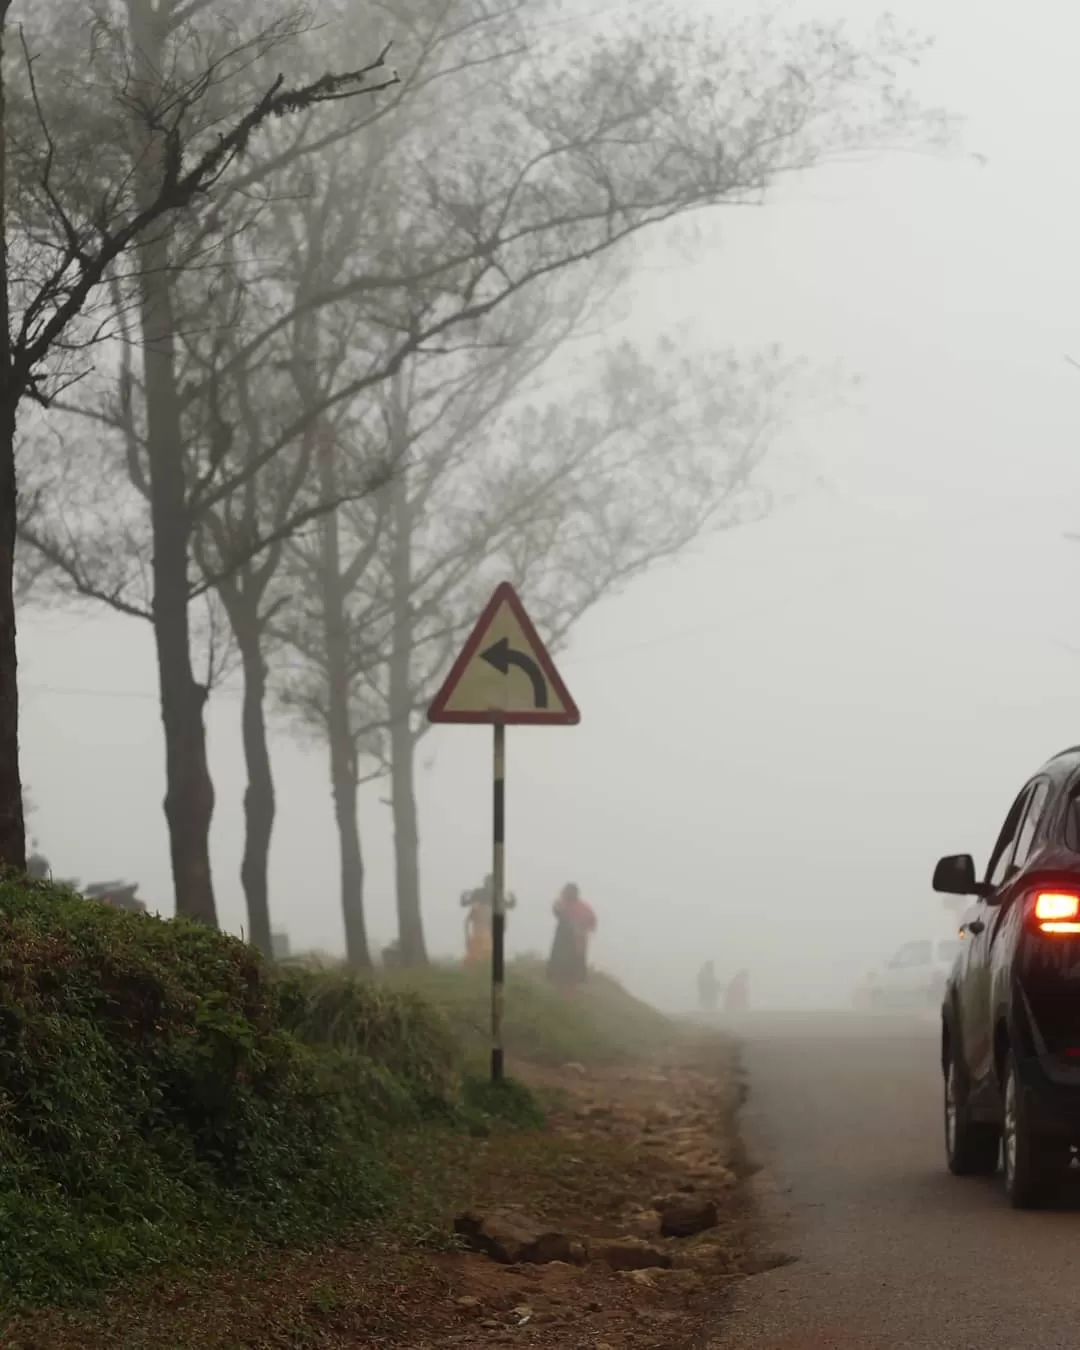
{"type": "Point", "coordinates": [782, 731]}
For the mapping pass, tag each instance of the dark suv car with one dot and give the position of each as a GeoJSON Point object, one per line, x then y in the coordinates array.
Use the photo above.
{"type": "Point", "coordinates": [1010, 1035]}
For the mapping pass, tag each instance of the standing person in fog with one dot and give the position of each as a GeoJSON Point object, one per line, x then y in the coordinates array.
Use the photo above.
{"type": "Point", "coordinates": [737, 998]}
{"type": "Point", "coordinates": [478, 905]}
{"type": "Point", "coordinates": [575, 924]}
{"type": "Point", "coordinates": [708, 987]}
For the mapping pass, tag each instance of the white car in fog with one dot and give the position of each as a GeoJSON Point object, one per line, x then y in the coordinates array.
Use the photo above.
{"type": "Point", "coordinates": [914, 976]}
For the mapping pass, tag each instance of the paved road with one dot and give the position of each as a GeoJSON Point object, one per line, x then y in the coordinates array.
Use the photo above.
{"type": "Point", "coordinates": [890, 1250]}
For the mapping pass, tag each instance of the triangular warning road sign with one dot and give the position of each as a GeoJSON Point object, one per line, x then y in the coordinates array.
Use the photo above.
{"type": "Point", "coordinates": [504, 673]}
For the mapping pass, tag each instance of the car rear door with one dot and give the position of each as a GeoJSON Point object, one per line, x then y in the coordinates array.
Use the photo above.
{"type": "Point", "coordinates": [976, 1024]}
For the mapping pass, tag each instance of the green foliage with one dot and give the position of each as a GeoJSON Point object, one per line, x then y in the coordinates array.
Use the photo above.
{"type": "Point", "coordinates": [168, 1098]}
{"type": "Point", "coordinates": [487, 1104]}
{"type": "Point", "coordinates": [401, 1044]}
{"type": "Point", "coordinates": [165, 1096]}
{"type": "Point", "coordinates": [603, 1025]}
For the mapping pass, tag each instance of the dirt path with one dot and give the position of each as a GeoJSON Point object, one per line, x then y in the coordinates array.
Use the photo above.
{"type": "Point", "coordinates": [626, 1149]}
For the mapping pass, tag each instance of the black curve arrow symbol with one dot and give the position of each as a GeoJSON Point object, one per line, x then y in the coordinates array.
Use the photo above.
{"type": "Point", "coordinates": [502, 656]}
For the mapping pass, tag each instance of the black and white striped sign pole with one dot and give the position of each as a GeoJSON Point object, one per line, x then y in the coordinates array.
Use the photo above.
{"type": "Point", "coordinates": [498, 904]}
{"type": "Point", "coordinates": [503, 676]}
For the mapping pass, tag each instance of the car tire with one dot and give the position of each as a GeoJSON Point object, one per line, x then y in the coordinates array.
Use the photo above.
{"type": "Point", "coordinates": [972, 1148]}
{"type": "Point", "coordinates": [1034, 1165]}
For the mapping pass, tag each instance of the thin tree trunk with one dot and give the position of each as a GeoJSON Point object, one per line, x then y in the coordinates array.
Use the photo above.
{"type": "Point", "coordinates": [12, 825]}
{"type": "Point", "coordinates": [189, 794]}
{"type": "Point", "coordinates": [402, 740]}
{"type": "Point", "coordinates": [406, 844]}
{"type": "Point", "coordinates": [259, 802]}
{"type": "Point", "coordinates": [343, 766]}
{"type": "Point", "coordinates": [343, 783]}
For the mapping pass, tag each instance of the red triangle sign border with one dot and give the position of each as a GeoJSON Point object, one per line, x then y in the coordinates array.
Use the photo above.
{"type": "Point", "coordinates": [568, 715]}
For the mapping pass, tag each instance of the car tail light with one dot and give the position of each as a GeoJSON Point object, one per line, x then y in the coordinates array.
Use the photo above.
{"type": "Point", "coordinates": [1057, 911]}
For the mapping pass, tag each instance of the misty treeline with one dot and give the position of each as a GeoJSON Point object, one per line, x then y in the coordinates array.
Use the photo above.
{"type": "Point", "coordinates": [303, 348]}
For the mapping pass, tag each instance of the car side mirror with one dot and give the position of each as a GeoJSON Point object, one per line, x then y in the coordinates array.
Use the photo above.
{"type": "Point", "coordinates": [955, 875]}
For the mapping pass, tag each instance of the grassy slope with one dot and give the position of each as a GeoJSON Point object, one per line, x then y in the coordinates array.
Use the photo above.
{"type": "Point", "coordinates": [165, 1096]}
{"type": "Point", "coordinates": [167, 1100]}
{"type": "Point", "coordinates": [604, 1025]}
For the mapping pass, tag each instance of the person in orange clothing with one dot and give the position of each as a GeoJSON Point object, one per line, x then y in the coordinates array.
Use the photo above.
{"type": "Point", "coordinates": [575, 923]}
{"type": "Point", "coordinates": [478, 907]}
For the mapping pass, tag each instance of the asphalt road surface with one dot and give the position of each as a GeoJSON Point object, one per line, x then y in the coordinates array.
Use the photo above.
{"type": "Point", "coordinates": [890, 1250]}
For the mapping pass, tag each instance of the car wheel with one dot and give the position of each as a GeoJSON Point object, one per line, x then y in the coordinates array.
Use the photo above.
{"type": "Point", "coordinates": [972, 1148]}
{"type": "Point", "coordinates": [1033, 1164]}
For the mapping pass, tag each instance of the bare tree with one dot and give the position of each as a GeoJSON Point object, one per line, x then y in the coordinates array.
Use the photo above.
{"type": "Point", "coordinates": [570, 492]}
{"type": "Point", "coordinates": [570, 153]}
{"type": "Point", "coordinates": [570, 150]}
{"type": "Point", "coordinates": [341, 624]}
{"type": "Point", "coordinates": [155, 92]}
{"type": "Point", "coordinates": [191, 381]}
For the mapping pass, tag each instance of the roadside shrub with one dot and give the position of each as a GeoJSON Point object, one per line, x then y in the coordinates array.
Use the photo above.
{"type": "Point", "coordinates": [153, 1101]}
{"type": "Point", "coordinates": [507, 1103]}
{"type": "Point", "coordinates": [391, 1034]}
{"type": "Point", "coordinates": [604, 1025]}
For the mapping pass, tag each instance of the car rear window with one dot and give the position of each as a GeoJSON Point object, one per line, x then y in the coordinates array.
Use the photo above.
{"type": "Point", "coordinates": [949, 951]}
{"type": "Point", "coordinates": [1072, 822]}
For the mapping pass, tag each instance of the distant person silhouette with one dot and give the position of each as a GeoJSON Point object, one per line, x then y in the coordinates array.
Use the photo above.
{"type": "Point", "coordinates": [479, 905]}
{"type": "Point", "coordinates": [737, 997]}
{"type": "Point", "coordinates": [575, 923]}
{"type": "Point", "coordinates": [708, 987]}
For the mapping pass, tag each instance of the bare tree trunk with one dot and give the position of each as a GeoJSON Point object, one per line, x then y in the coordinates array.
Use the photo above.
{"type": "Point", "coordinates": [189, 793]}
{"type": "Point", "coordinates": [406, 841]}
{"type": "Point", "coordinates": [402, 740]}
{"type": "Point", "coordinates": [12, 825]}
{"type": "Point", "coordinates": [259, 801]}
{"type": "Point", "coordinates": [342, 743]}
{"type": "Point", "coordinates": [343, 783]}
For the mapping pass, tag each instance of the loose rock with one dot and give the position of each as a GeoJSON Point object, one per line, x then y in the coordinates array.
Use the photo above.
{"type": "Point", "coordinates": [642, 1277]}
{"type": "Point", "coordinates": [630, 1253]}
{"type": "Point", "coordinates": [645, 1223]}
{"type": "Point", "coordinates": [512, 1239]}
{"type": "Point", "coordinates": [684, 1215]}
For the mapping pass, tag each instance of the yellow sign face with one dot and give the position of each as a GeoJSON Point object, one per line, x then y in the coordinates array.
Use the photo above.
{"type": "Point", "coordinates": [504, 673]}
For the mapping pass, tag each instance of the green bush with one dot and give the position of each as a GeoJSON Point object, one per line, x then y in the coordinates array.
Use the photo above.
{"type": "Point", "coordinates": [393, 1034]}
{"type": "Point", "coordinates": [603, 1025]}
{"type": "Point", "coordinates": [167, 1097]}
{"type": "Point", "coordinates": [508, 1103]}
{"type": "Point", "coordinates": [164, 1095]}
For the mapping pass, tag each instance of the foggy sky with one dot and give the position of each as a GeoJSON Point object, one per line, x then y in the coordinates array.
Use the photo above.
{"type": "Point", "coordinates": [781, 733]}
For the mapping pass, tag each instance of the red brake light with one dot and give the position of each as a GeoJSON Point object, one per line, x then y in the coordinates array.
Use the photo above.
{"type": "Point", "coordinates": [1056, 905]}
{"type": "Point", "coordinates": [1058, 911]}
